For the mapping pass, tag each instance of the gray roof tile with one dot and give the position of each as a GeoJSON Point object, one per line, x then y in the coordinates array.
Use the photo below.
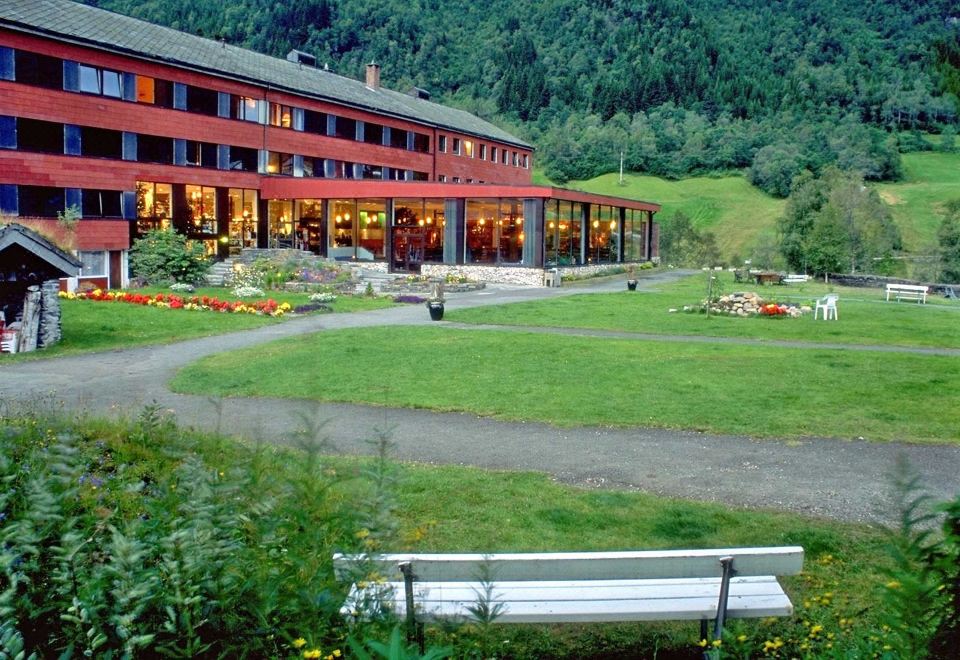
{"type": "Point", "coordinates": [114, 32]}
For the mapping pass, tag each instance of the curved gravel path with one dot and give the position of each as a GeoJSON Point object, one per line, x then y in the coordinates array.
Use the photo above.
{"type": "Point", "coordinates": [843, 480]}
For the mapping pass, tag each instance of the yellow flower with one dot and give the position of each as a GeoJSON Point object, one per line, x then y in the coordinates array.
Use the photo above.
{"type": "Point", "coordinates": [299, 643]}
{"type": "Point", "coordinates": [817, 628]}
{"type": "Point", "coordinates": [893, 584]}
{"type": "Point", "coordinates": [363, 533]}
{"type": "Point", "coordinates": [702, 643]}
{"type": "Point", "coordinates": [312, 653]}
{"type": "Point", "coordinates": [717, 643]}
{"type": "Point", "coordinates": [742, 638]}
{"type": "Point", "coordinates": [336, 653]}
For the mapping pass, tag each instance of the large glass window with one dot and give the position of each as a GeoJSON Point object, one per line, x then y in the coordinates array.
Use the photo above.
{"type": "Point", "coordinates": [101, 203]}
{"type": "Point", "coordinates": [481, 234]}
{"type": "Point", "coordinates": [343, 214]}
{"type": "Point", "coordinates": [310, 225]}
{"type": "Point", "coordinates": [371, 171]}
{"type": "Point", "coordinates": [346, 128]}
{"type": "Point", "coordinates": [371, 228]}
{"type": "Point", "coordinates": [202, 101]}
{"type": "Point", "coordinates": [154, 205]}
{"type": "Point", "coordinates": [101, 143]}
{"type": "Point", "coordinates": [41, 201]}
{"type": "Point", "coordinates": [563, 228]}
{"type": "Point", "coordinates": [39, 136]}
{"type": "Point", "coordinates": [278, 163]}
{"type": "Point", "coordinates": [106, 82]}
{"type": "Point", "coordinates": [280, 223]}
{"type": "Point", "coordinates": [154, 91]}
{"type": "Point", "coordinates": [421, 143]}
{"type": "Point", "coordinates": [604, 234]}
{"type": "Point", "coordinates": [510, 234]}
{"type": "Point", "coordinates": [92, 263]}
{"type": "Point", "coordinates": [417, 232]}
{"type": "Point", "coordinates": [201, 154]}
{"type": "Point", "coordinates": [243, 159]}
{"type": "Point", "coordinates": [243, 219]}
{"type": "Point", "coordinates": [372, 133]}
{"type": "Point", "coordinates": [398, 138]}
{"type": "Point", "coordinates": [39, 70]}
{"type": "Point", "coordinates": [244, 108]}
{"type": "Point", "coordinates": [315, 122]}
{"type": "Point", "coordinates": [468, 148]}
{"type": "Point", "coordinates": [154, 149]}
{"type": "Point", "coordinates": [281, 115]}
{"type": "Point", "coordinates": [202, 205]}
{"type": "Point", "coordinates": [633, 235]}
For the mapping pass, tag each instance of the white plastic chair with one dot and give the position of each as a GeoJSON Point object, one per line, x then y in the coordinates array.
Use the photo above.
{"type": "Point", "coordinates": [829, 306]}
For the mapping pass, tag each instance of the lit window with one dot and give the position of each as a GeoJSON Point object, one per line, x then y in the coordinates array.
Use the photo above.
{"type": "Point", "coordinates": [145, 89]}
{"type": "Point", "coordinates": [468, 148]}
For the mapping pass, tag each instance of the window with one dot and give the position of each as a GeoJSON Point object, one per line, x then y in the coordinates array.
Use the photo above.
{"type": "Point", "coordinates": [456, 146]}
{"type": "Point", "coordinates": [345, 128]}
{"type": "Point", "coordinates": [281, 115]}
{"type": "Point", "coordinates": [315, 122]}
{"type": "Point", "coordinates": [243, 159]}
{"type": "Point", "coordinates": [371, 172]}
{"type": "Point", "coordinates": [154, 205]}
{"type": "Point", "coordinates": [39, 70]}
{"type": "Point", "coordinates": [493, 154]}
{"type": "Point", "coordinates": [105, 82]}
{"type": "Point", "coordinates": [201, 154]}
{"type": "Point", "coordinates": [372, 133]}
{"type": "Point", "coordinates": [155, 149]}
{"type": "Point", "coordinates": [421, 143]}
{"type": "Point", "coordinates": [39, 136]}
{"type": "Point", "coordinates": [41, 201]}
{"type": "Point", "coordinates": [456, 179]}
{"type": "Point", "coordinates": [482, 155]}
{"type": "Point", "coordinates": [514, 160]}
{"type": "Point", "coordinates": [102, 203]}
{"type": "Point", "coordinates": [420, 176]}
{"type": "Point", "coordinates": [442, 178]}
{"type": "Point", "coordinates": [526, 161]}
{"type": "Point", "coordinates": [442, 144]}
{"type": "Point", "coordinates": [398, 138]}
{"type": "Point", "coordinates": [93, 264]}
{"type": "Point", "coordinates": [468, 148]}
{"type": "Point", "coordinates": [244, 108]}
{"type": "Point", "coordinates": [155, 92]}
{"type": "Point", "coordinates": [202, 204]}
{"type": "Point", "coordinates": [279, 163]}
{"type": "Point", "coordinates": [202, 101]}
{"type": "Point", "coordinates": [504, 156]}
{"type": "Point", "coordinates": [100, 143]}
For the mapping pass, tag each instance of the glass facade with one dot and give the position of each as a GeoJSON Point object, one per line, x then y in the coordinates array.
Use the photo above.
{"type": "Point", "coordinates": [154, 206]}
{"type": "Point", "coordinates": [243, 219]}
{"type": "Point", "coordinates": [280, 230]}
{"type": "Point", "coordinates": [563, 230]}
{"type": "Point", "coordinates": [418, 228]}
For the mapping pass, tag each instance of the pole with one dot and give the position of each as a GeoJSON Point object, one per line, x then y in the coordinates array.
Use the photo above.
{"type": "Point", "coordinates": [621, 167]}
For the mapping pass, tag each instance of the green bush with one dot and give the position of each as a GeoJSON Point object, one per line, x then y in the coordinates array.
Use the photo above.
{"type": "Point", "coordinates": [163, 257]}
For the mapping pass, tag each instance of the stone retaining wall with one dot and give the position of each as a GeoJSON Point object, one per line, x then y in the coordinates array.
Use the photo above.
{"type": "Point", "coordinates": [880, 282]}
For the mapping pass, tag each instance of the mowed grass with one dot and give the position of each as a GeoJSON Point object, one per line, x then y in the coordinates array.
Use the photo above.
{"type": "Point", "coordinates": [729, 206]}
{"type": "Point", "coordinates": [865, 316]}
{"type": "Point", "coordinates": [97, 326]}
{"type": "Point", "coordinates": [930, 180]}
{"type": "Point", "coordinates": [574, 381]}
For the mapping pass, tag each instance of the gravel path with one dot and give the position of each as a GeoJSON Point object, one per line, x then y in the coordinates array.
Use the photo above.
{"type": "Point", "coordinates": [843, 480]}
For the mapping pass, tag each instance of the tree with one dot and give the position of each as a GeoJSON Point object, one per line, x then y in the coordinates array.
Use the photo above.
{"type": "Point", "coordinates": [163, 256]}
{"type": "Point", "coordinates": [774, 167]}
{"type": "Point", "coordinates": [948, 236]}
{"type": "Point", "coordinates": [682, 245]}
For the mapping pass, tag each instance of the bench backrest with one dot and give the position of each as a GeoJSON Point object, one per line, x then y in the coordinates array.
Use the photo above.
{"type": "Point", "coordinates": [647, 564]}
{"type": "Point", "coordinates": [908, 287]}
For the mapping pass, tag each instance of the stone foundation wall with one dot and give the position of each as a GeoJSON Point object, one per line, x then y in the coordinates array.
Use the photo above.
{"type": "Point", "coordinates": [49, 331]}
{"type": "Point", "coordinates": [490, 274]}
{"type": "Point", "coordinates": [880, 282]}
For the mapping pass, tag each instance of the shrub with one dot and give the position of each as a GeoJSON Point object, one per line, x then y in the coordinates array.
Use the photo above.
{"type": "Point", "coordinates": [248, 292]}
{"type": "Point", "coordinates": [163, 257]}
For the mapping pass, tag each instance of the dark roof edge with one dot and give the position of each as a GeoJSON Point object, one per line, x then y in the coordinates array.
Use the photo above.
{"type": "Point", "coordinates": [111, 48]}
{"type": "Point", "coordinates": [60, 258]}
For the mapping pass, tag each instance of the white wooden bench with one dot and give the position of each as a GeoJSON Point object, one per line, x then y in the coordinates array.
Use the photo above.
{"type": "Point", "coordinates": [795, 279]}
{"type": "Point", "coordinates": [572, 587]}
{"type": "Point", "coordinates": [908, 291]}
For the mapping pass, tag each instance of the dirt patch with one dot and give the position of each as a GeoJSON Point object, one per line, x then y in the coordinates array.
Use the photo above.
{"type": "Point", "coordinates": [890, 198]}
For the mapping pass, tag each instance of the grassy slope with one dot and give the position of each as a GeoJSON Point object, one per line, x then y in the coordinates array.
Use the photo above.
{"type": "Point", "coordinates": [930, 179]}
{"type": "Point", "coordinates": [737, 212]}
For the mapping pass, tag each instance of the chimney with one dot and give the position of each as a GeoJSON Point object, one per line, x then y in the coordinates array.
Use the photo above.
{"type": "Point", "coordinates": [373, 75]}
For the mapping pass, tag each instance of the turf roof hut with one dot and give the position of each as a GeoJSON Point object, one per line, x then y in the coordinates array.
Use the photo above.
{"type": "Point", "coordinates": [31, 266]}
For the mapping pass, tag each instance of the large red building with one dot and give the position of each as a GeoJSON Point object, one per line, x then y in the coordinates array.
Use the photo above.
{"type": "Point", "coordinates": [135, 126]}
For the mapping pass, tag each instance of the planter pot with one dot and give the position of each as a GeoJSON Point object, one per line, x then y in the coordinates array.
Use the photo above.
{"type": "Point", "coordinates": [631, 285]}
{"type": "Point", "coordinates": [436, 310]}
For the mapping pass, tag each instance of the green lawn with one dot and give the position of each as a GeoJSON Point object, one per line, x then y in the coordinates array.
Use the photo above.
{"type": "Point", "coordinates": [864, 316]}
{"type": "Point", "coordinates": [930, 180]}
{"type": "Point", "coordinates": [570, 381]}
{"type": "Point", "coordinates": [97, 326]}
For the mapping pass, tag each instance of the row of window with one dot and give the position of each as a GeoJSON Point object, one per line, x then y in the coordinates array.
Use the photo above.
{"type": "Point", "coordinates": [468, 148]}
{"type": "Point", "coordinates": [54, 73]}
{"type": "Point", "coordinates": [47, 202]}
{"type": "Point", "coordinates": [40, 136]}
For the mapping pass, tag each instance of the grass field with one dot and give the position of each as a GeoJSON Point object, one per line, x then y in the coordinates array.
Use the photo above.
{"type": "Point", "coordinates": [866, 318]}
{"type": "Point", "coordinates": [930, 180]}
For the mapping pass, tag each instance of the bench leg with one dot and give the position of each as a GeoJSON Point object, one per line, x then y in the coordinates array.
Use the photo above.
{"type": "Point", "coordinates": [728, 572]}
{"type": "Point", "coordinates": [414, 629]}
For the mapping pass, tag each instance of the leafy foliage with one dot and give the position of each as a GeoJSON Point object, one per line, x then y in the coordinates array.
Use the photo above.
{"type": "Point", "coordinates": [835, 224]}
{"type": "Point", "coordinates": [948, 236]}
{"type": "Point", "coordinates": [681, 244]}
{"type": "Point", "coordinates": [681, 87]}
{"type": "Point", "coordinates": [164, 256]}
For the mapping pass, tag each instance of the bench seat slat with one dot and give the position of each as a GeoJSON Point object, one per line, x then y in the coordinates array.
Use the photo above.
{"type": "Point", "coordinates": [593, 601]}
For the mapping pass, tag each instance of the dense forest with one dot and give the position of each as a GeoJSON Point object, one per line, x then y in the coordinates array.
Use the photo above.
{"type": "Point", "coordinates": [680, 86]}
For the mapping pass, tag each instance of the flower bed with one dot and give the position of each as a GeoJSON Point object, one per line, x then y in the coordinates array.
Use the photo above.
{"type": "Point", "coordinates": [269, 307]}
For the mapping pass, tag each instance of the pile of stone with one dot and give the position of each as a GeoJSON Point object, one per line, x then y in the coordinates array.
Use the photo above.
{"type": "Point", "coordinates": [745, 303]}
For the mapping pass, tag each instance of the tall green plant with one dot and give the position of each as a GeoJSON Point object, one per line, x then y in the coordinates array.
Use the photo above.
{"type": "Point", "coordinates": [163, 257]}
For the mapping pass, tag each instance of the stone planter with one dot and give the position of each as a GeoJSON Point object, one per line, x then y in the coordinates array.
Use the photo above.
{"type": "Point", "coordinates": [631, 285]}
{"type": "Point", "coordinates": [436, 310]}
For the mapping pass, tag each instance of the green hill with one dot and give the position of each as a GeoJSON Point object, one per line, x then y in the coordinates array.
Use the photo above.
{"type": "Point", "coordinates": [737, 212]}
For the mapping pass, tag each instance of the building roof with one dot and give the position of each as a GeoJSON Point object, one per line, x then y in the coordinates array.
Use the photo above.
{"type": "Point", "coordinates": [104, 30]}
{"type": "Point", "coordinates": [34, 243]}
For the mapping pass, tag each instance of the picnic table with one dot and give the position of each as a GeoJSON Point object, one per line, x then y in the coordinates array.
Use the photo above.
{"type": "Point", "coordinates": [765, 277]}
